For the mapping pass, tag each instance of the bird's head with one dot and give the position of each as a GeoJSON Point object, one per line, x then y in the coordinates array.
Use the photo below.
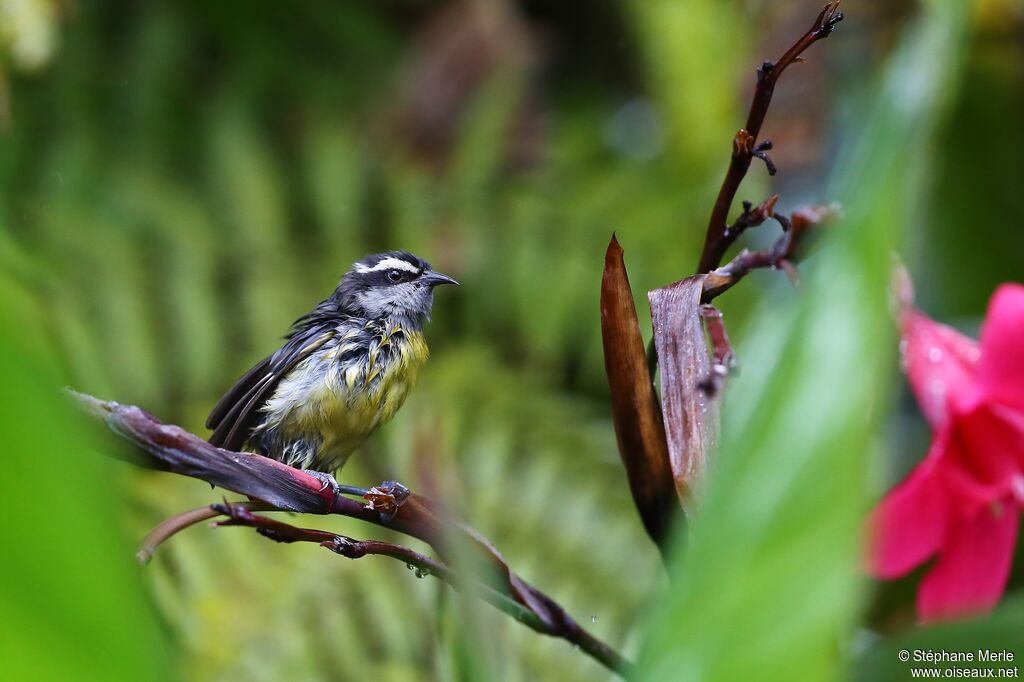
{"type": "Point", "coordinates": [396, 284]}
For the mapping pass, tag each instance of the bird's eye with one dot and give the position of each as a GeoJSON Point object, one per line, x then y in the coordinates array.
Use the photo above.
{"type": "Point", "coordinates": [394, 275]}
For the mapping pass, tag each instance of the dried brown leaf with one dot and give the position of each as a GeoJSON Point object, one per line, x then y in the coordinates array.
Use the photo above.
{"type": "Point", "coordinates": [639, 428]}
{"type": "Point", "coordinates": [691, 412]}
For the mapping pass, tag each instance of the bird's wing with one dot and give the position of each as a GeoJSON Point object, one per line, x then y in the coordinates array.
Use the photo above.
{"type": "Point", "coordinates": [237, 412]}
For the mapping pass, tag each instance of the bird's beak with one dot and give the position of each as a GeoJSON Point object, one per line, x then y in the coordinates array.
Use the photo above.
{"type": "Point", "coordinates": [436, 278]}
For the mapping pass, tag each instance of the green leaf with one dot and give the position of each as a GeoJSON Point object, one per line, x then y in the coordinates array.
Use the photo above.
{"type": "Point", "coordinates": [73, 603]}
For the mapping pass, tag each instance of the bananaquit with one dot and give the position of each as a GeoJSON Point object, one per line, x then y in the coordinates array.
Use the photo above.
{"type": "Point", "coordinates": [344, 369]}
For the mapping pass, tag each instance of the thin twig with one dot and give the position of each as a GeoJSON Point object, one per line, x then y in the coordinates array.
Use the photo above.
{"type": "Point", "coordinates": [750, 217]}
{"type": "Point", "coordinates": [720, 235]}
{"type": "Point", "coordinates": [782, 255]}
{"type": "Point", "coordinates": [166, 529]}
{"type": "Point", "coordinates": [745, 145]}
{"type": "Point", "coordinates": [239, 515]}
{"type": "Point", "coordinates": [790, 247]}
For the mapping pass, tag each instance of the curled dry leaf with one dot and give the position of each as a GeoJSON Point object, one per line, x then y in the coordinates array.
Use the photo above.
{"type": "Point", "coordinates": [691, 412]}
{"type": "Point", "coordinates": [638, 424]}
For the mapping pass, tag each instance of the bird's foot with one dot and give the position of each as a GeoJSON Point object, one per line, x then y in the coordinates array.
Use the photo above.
{"type": "Point", "coordinates": [386, 499]}
{"type": "Point", "coordinates": [329, 483]}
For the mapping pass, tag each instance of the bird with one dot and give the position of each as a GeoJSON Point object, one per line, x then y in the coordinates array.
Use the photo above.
{"type": "Point", "coordinates": [344, 369]}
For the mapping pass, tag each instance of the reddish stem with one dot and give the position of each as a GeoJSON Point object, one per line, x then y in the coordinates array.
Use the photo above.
{"type": "Point", "coordinates": [745, 146]}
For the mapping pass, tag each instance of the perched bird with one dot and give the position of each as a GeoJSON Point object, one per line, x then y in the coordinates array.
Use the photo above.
{"type": "Point", "coordinates": [344, 369]}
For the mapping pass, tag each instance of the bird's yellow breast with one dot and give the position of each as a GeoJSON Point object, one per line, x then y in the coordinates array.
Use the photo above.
{"type": "Point", "coordinates": [343, 393]}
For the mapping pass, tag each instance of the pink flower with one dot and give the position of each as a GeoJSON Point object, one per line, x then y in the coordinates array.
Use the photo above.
{"type": "Point", "coordinates": [962, 504]}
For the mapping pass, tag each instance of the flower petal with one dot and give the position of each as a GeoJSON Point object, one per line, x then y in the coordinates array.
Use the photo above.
{"type": "Point", "coordinates": [986, 454]}
{"type": "Point", "coordinates": [908, 525]}
{"type": "Point", "coordinates": [1002, 342]}
{"type": "Point", "coordinates": [974, 564]}
{"type": "Point", "coordinates": [941, 364]}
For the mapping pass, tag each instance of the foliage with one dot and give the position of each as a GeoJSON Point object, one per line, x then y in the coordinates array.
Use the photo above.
{"type": "Point", "coordinates": [70, 589]}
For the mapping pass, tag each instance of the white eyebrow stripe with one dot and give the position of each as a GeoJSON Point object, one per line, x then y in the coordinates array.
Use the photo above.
{"type": "Point", "coordinates": [388, 264]}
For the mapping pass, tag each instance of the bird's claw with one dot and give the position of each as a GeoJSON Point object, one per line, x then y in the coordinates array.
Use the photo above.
{"type": "Point", "coordinates": [329, 483]}
{"type": "Point", "coordinates": [386, 499]}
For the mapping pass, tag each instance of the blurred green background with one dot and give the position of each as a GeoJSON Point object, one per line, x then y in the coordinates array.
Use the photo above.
{"type": "Point", "coordinates": [179, 181]}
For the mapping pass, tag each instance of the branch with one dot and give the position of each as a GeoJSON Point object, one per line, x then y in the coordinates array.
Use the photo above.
{"type": "Point", "coordinates": [170, 527]}
{"type": "Point", "coordinates": [720, 236]}
{"type": "Point", "coordinates": [276, 486]}
{"type": "Point", "coordinates": [745, 145]}
{"type": "Point", "coordinates": [789, 248]}
{"type": "Point", "coordinates": [240, 515]}
{"type": "Point", "coordinates": [750, 217]}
